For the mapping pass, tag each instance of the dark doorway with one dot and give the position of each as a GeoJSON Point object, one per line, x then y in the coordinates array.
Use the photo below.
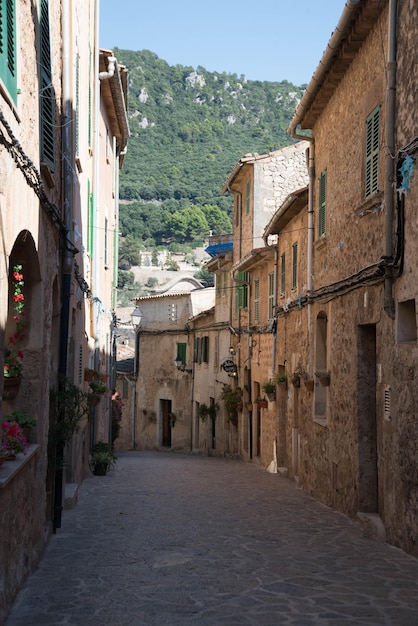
{"type": "Point", "coordinates": [165, 412]}
{"type": "Point", "coordinates": [366, 419]}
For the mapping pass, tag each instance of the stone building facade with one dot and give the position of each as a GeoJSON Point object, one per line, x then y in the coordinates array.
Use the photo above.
{"type": "Point", "coordinates": [51, 161]}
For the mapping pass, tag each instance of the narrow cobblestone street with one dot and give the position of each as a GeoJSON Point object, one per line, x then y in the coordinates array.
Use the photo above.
{"type": "Point", "coordinates": [170, 539]}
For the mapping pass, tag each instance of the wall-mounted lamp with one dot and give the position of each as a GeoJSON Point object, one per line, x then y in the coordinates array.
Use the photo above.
{"type": "Point", "coordinates": [136, 317]}
{"type": "Point", "coordinates": [180, 365]}
{"type": "Point", "coordinates": [231, 350]}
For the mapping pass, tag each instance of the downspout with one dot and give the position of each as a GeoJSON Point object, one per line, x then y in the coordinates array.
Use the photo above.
{"type": "Point", "coordinates": [311, 185]}
{"type": "Point", "coordinates": [67, 256]}
{"type": "Point", "coordinates": [389, 305]}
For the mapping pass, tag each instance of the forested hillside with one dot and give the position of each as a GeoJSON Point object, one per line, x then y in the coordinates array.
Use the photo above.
{"type": "Point", "coordinates": [188, 129]}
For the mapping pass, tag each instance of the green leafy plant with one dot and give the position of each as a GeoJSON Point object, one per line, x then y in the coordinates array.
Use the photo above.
{"type": "Point", "coordinates": [269, 386]}
{"type": "Point", "coordinates": [13, 355]}
{"type": "Point", "coordinates": [232, 397]}
{"type": "Point", "coordinates": [97, 388]}
{"type": "Point", "coordinates": [23, 419]}
{"type": "Point", "coordinates": [280, 378]}
{"type": "Point", "coordinates": [67, 407]}
{"type": "Point", "coordinates": [101, 458]}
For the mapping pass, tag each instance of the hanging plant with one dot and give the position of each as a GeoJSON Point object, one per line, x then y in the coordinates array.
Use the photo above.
{"type": "Point", "coordinates": [13, 355]}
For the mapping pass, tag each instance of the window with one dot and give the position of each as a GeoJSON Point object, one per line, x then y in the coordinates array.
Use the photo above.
{"type": "Point", "coordinates": [294, 266]}
{"type": "Point", "coordinates": [8, 46]}
{"type": "Point", "coordinates": [256, 300]}
{"type": "Point", "coordinates": [271, 295]}
{"type": "Point", "coordinates": [283, 274]}
{"type": "Point", "coordinates": [372, 152]}
{"type": "Point", "coordinates": [247, 197]}
{"type": "Point", "coordinates": [407, 322]}
{"type": "Point", "coordinates": [241, 290]}
{"type": "Point", "coordinates": [322, 203]}
{"type": "Point", "coordinates": [181, 352]}
{"type": "Point", "coordinates": [47, 96]}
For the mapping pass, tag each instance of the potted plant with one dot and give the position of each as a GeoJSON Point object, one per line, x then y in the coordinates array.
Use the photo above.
{"type": "Point", "coordinates": [12, 439]}
{"type": "Point", "coordinates": [324, 377]}
{"type": "Point", "coordinates": [309, 383]}
{"type": "Point", "coordinates": [25, 421]}
{"type": "Point", "coordinates": [280, 379]}
{"type": "Point", "coordinates": [262, 403]}
{"type": "Point", "coordinates": [97, 390]}
{"type": "Point", "coordinates": [232, 398]}
{"type": "Point", "coordinates": [203, 412]}
{"type": "Point", "coordinates": [298, 375]}
{"type": "Point", "coordinates": [101, 458]}
{"type": "Point", "coordinates": [269, 388]}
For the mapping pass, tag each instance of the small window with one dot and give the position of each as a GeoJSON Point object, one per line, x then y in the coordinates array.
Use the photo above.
{"type": "Point", "coordinates": [372, 153]}
{"type": "Point", "coordinates": [322, 203]}
{"type": "Point", "coordinates": [247, 197]}
{"type": "Point", "coordinates": [407, 322]}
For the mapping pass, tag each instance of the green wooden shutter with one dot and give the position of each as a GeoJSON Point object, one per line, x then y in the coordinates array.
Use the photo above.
{"type": "Point", "coordinates": [247, 197]}
{"type": "Point", "coordinates": [8, 46]}
{"type": "Point", "coordinates": [322, 203]}
{"type": "Point", "coordinates": [372, 152]}
{"type": "Point", "coordinates": [90, 220]}
{"type": "Point", "coordinates": [256, 300]}
{"type": "Point", "coordinates": [47, 97]}
{"type": "Point", "coordinates": [181, 352]}
{"type": "Point", "coordinates": [283, 274]}
{"type": "Point", "coordinates": [271, 296]}
{"type": "Point", "coordinates": [294, 266]}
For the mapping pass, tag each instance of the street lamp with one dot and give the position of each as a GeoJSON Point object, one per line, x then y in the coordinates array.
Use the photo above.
{"type": "Point", "coordinates": [180, 366]}
{"type": "Point", "coordinates": [136, 317]}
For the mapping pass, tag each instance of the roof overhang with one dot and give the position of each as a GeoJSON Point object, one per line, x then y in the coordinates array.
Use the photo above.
{"type": "Point", "coordinates": [293, 204]}
{"type": "Point", "coordinates": [256, 256]}
{"type": "Point", "coordinates": [114, 93]}
{"type": "Point", "coordinates": [357, 20]}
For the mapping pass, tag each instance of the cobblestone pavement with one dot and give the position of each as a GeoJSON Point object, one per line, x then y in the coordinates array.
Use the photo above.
{"type": "Point", "coordinates": [169, 539]}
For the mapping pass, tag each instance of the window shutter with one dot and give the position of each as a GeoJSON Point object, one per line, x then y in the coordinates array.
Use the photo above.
{"type": "Point", "coordinates": [256, 300]}
{"type": "Point", "coordinates": [8, 46]}
{"type": "Point", "coordinates": [322, 203]}
{"type": "Point", "coordinates": [196, 350]}
{"type": "Point", "coordinates": [271, 295]}
{"type": "Point", "coordinates": [47, 96]}
{"type": "Point", "coordinates": [283, 274]}
{"type": "Point", "coordinates": [294, 266]}
{"type": "Point", "coordinates": [247, 197]}
{"type": "Point", "coordinates": [181, 352]}
{"type": "Point", "coordinates": [372, 152]}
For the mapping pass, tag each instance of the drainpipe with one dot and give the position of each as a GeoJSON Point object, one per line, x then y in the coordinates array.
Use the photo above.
{"type": "Point", "coordinates": [110, 69]}
{"type": "Point", "coordinates": [389, 305]}
{"type": "Point", "coordinates": [67, 258]}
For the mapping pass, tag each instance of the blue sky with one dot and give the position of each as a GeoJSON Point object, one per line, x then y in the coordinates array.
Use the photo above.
{"type": "Point", "coordinates": [274, 40]}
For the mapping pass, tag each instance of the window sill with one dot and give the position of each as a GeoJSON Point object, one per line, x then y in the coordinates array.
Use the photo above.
{"type": "Point", "coordinates": [321, 421]}
{"type": "Point", "coordinates": [9, 469]}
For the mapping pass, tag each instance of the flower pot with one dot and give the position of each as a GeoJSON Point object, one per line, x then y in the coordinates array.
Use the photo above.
{"type": "Point", "coordinates": [324, 380]}
{"type": "Point", "coordinates": [249, 406]}
{"type": "Point", "coordinates": [296, 382]}
{"type": "Point", "coordinates": [11, 456]}
{"type": "Point", "coordinates": [11, 387]}
{"type": "Point", "coordinates": [309, 384]}
{"type": "Point", "coordinates": [100, 469]}
{"type": "Point", "coordinates": [262, 404]}
{"type": "Point", "coordinates": [88, 375]}
{"type": "Point", "coordinates": [94, 399]}
{"type": "Point", "coordinates": [271, 396]}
